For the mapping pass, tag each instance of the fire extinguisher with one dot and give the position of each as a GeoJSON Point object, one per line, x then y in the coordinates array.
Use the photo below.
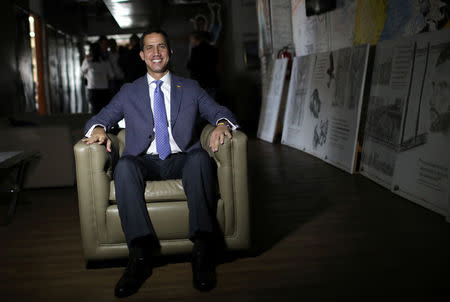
{"type": "Point", "coordinates": [285, 53]}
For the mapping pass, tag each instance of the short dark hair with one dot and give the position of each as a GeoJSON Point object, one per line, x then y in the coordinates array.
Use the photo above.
{"type": "Point", "coordinates": [156, 30]}
{"type": "Point", "coordinates": [134, 38]}
{"type": "Point", "coordinates": [102, 38]}
{"type": "Point", "coordinates": [95, 53]}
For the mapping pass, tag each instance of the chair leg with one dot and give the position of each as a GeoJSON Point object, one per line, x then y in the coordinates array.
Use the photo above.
{"type": "Point", "coordinates": [15, 190]}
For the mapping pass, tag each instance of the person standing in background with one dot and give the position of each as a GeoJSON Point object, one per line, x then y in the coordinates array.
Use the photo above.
{"type": "Point", "coordinates": [117, 81]}
{"type": "Point", "coordinates": [98, 72]}
{"type": "Point", "coordinates": [104, 45]}
{"type": "Point", "coordinates": [213, 30]}
{"type": "Point", "coordinates": [203, 62]}
{"type": "Point", "coordinates": [131, 62]}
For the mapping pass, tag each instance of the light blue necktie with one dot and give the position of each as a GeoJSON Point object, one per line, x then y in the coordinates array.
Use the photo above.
{"type": "Point", "coordinates": [161, 131]}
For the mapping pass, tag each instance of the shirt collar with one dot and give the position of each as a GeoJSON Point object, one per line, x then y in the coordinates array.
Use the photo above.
{"type": "Point", "coordinates": [165, 78]}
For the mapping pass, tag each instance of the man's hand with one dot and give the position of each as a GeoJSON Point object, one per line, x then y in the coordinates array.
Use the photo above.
{"type": "Point", "coordinates": [98, 136]}
{"type": "Point", "coordinates": [218, 136]}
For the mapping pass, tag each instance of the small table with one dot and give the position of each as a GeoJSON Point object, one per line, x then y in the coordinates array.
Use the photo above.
{"type": "Point", "coordinates": [9, 162]}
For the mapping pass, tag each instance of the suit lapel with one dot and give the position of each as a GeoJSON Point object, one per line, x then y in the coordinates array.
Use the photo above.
{"type": "Point", "coordinates": [176, 91]}
{"type": "Point", "coordinates": [144, 97]}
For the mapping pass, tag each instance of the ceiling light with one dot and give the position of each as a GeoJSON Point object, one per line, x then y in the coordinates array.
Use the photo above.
{"type": "Point", "coordinates": [120, 10]}
{"type": "Point", "coordinates": [123, 21]}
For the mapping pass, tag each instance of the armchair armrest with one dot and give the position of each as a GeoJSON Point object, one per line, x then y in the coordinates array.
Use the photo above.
{"type": "Point", "coordinates": [93, 169]}
{"type": "Point", "coordinates": [231, 159]}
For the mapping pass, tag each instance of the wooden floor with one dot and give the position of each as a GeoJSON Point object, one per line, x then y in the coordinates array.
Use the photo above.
{"type": "Point", "coordinates": [320, 234]}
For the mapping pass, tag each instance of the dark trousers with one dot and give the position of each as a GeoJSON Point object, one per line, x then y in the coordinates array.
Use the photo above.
{"type": "Point", "coordinates": [195, 168]}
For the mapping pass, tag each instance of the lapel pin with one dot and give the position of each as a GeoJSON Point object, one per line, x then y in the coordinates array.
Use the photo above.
{"type": "Point", "coordinates": [178, 86]}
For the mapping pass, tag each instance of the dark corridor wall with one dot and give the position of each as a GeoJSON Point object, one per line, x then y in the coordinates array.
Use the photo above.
{"type": "Point", "coordinates": [8, 67]}
{"type": "Point", "coordinates": [17, 89]}
{"type": "Point", "coordinates": [25, 93]}
{"type": "Point", "coordinates": [61, 55]}
{"type": "Point", "coordinates": [64, 75]}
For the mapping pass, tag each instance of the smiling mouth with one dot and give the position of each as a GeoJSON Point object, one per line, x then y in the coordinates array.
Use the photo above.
{"type": "Point", "coordinates": [156, 60]}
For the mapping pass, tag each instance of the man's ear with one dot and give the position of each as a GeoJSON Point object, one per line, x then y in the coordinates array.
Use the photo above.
{"type": "Point", "coordinates": [141, 53]}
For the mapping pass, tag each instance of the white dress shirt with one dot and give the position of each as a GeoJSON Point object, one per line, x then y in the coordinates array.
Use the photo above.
{"type": "Point", "coordinates": [97, 73]}
{"type": "Point", "coordinates": [114, 61]}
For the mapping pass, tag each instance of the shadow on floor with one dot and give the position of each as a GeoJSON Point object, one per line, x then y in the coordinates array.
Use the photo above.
{"type": "Point", "coordinates": [286, 191]}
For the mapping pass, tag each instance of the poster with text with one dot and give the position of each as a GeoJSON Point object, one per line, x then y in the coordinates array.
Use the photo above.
{"type": "Point", "coordinates": [270, 108]}
{"type": "Point", "coordinates": [325, 32]}
{"type": "Point", "coordinates": [324, 104]}
{"type": "Point", "coordinates": [281, 26]}
{"type": "Point", "coordinates": [389, 90]}
{"type": "Point", "coordinates": [407, 139]}
{"type": "Point", "coordinates": [423, 162]}
{"type": "Point", "coordinates": [296, 101]}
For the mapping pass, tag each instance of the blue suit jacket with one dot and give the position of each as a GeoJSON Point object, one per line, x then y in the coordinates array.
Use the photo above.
{"type": "Point", "coordinates": [188, 100]}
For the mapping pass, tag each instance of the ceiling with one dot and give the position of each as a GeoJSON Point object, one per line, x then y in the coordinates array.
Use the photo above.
{"type": "Point", "coordinates": [141, 13]}
{"type": "Point", "coordinates": [105, 17]}
{"type": "Point", "coordinates": [135, 13]}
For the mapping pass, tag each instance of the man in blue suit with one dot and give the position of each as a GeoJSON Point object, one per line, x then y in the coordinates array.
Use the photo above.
{"type": "Point", "coordinates": [161, 113]}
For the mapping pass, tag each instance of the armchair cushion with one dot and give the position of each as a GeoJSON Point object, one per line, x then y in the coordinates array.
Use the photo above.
{"type": "Point", "coordinates": [165, 190]}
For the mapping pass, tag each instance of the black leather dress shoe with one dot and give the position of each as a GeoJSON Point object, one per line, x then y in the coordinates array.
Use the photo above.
{"type": "Point", "coordinates": [137, 271]}
{"type": "Point", "coordinates": [203, 266]}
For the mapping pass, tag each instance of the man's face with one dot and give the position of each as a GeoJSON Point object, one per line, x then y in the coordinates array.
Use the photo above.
{"type": "Point", "coordinates": [156, 55]}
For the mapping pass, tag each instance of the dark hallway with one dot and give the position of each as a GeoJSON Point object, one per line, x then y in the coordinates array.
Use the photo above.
{"type": "Point", "coordinates": [316, 232]}
{"type": "Point", "coordinates": [46, 77]}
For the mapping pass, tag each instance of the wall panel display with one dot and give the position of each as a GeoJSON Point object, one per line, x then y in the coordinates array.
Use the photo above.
{"type": "Point", "coordinates": [378, 20]}
{"type": "Point", "coordinates": [324, 104]}
{"type": "Point", "coordinates": [265, 29]}
{"type": "Point", "coordinates": [324, 32]}
{"type": "Point", "coordinates": [369, 21]}
{"type": "Point", "coordinates": [270, 109]}
{"type": "Point", "coordinates": [281, 25]}
{"type": "Point", "coordinates": [407, 139]}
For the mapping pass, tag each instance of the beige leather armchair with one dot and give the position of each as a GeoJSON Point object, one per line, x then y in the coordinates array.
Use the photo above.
{"type": "Point", "coordinates": [101, 231]}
